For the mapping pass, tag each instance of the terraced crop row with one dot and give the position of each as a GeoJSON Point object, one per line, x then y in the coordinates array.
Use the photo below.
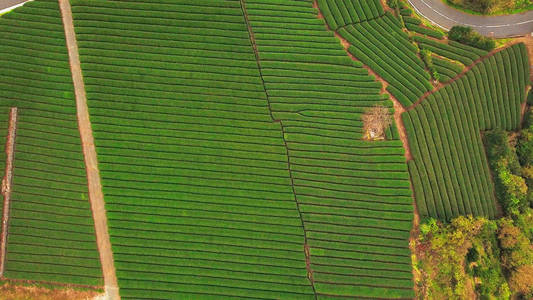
{"type": "Point", "coordinates": [452, 50]}
{"type": "Point", "coordinates": [339, 13]}
{"type": "Point", "coordinates": [446, 68]}
{"type": "Point", "coordinates": [51, 232]}
{"type": "Point", "coordinates": [424, 30]}
{"type": "Point", "coordinates": [194, 169]}
{"type": "Point", "coordinates": [450, 171]}
{"type": "Point", "coordinates": [354, 195]}
{"type": "Point", "coordinates": [385, 48]}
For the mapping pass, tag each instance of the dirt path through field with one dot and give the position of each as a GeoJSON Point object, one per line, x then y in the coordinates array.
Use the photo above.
{"type": "Point", "coordinates": [6, 183]}
{"type": "Point", "coordinates": [96, 197]}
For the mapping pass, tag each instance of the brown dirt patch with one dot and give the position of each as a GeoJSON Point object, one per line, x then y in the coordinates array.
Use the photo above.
{"type": "Point", "coordinates": [13, 291]}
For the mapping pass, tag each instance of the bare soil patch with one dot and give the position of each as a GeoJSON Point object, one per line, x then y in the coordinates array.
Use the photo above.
{"type": "Point", "coordinates": [26, 291]}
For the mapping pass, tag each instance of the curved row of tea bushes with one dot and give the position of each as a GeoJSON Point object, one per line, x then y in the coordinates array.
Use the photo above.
{"type": "Point", "coordinates": [339, 13]}
{"type": "Point", "coordinates": [450, 170]}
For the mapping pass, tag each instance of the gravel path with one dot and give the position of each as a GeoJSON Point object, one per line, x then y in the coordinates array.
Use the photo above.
{"type": "Point", "coordinates": [446, 17]}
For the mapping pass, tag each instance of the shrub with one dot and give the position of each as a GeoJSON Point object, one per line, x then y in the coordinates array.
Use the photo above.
{"type": "Point", "coordinates": [466, 35]}
{"type": "Point", "coordinates": [392, 3]}
{"type": "Point", "coordinates": [524, 149]}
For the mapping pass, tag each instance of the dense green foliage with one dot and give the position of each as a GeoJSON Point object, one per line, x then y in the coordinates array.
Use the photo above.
{"type": "Point", "coordinates": [453, 50]}
{"type": "Point", "coordinates": [424, 30]}
{"type": "Point", "coordinates": [444, 135]}
{"type": "Point", "coordinates": [468, 36]}
{"type": "Point", "coordinates": [511, 188]}
{"type": "Point", "coordinates": [51, 233]}
{"type": "Point", "coordinates": [459, 256]}
{"type": "Point", "coordinates": [339, 13]}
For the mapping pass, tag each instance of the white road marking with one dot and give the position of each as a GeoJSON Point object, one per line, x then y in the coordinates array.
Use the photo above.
{"type": "Point", "coordinates": [458, 22]}
{"type": "Point", "coordinates": [13, 7]}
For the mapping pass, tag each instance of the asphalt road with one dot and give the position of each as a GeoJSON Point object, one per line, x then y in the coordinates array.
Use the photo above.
{"type": "Point", "coordinates": [8, 3]}
{"type": "Point", "coordinates": [499, 26]}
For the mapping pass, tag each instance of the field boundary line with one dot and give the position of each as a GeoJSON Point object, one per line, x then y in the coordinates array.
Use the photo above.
{"type": "Point", "coordinates": [96, 197]}
{"type": "Point", "coordinates": [258, 61]}
{"type": "Point", "coordinates": [6, 183]}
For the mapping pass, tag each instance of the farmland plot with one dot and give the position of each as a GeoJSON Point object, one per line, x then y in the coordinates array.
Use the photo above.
{"type": "Point", "coordinates": [354, 195]}
{"type": "Point", "coordinates": [194, 169]}
{"type": "Point", "coordinates": [450, 172]}
{"type": "Point", "coordinates": [380, 43]}
{"type": "Point", "coordinates": [51, 232]}
{"type": "Point", "coordinates": [339, 13]}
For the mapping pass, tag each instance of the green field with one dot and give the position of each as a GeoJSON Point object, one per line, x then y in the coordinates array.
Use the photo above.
{"type": "Point", "coordinates": [354, 195]}
{"type": "Point", "coordinates": [230, 146]}
{"type": "Point", "coordinates": [194, 170]}
{"type": "Point", "coordinates": [450, 171]}
{"type": "Point", "coordinates": [51, 232]}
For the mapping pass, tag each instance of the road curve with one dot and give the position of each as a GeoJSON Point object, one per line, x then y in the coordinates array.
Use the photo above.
{"type": "Point", "coordinates": [446, 17]}
{"type": "Point", "coordinates": [5, 5]}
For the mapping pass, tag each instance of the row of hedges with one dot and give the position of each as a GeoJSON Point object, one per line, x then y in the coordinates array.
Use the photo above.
{"type": "Point", "coordinates": [382, 45]}
{"type": "Point", "coordinates": [339, 13]}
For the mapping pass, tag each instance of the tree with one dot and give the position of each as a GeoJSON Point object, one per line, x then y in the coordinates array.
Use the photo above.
{"type": "Point", "coordinates": [375, 121]}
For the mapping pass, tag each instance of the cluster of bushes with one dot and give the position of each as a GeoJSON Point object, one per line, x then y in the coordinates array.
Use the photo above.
{"type": "Point", "coordinates": [511, 188]}
{"type": "Point", "coordinates": [428, 60]}
{"type": "Point", "coordinates": [493, 256]}
{"type": "Point", "coordinates": [465, 35]}
{"type": "Point", "coordinates": [511, 160]}
{"type": "Point", "coordinates": [458, 255]}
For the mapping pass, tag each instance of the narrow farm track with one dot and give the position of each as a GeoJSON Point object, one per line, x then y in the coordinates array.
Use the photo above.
{"type": "Point", "coordinates": [93, 177]}
{"type": "Point", "coordinates": [256, 53]}
{"type": "Point", "coordinates": [398, 107]}
{"type": "Point", "coordinates": [6, 184]}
